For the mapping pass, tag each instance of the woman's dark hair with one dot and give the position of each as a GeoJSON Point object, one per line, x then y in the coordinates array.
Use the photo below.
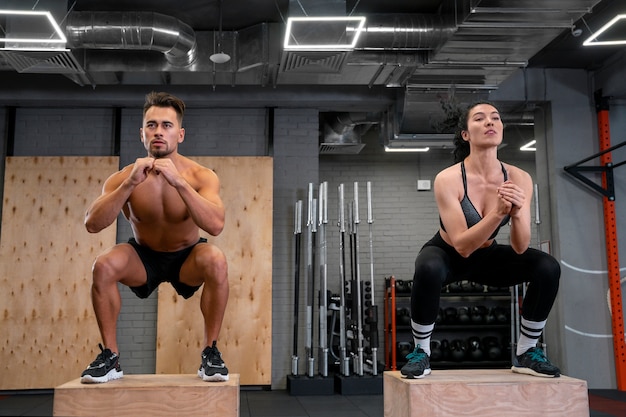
{"type": "Point", "coordinates": [462, 147]}
{"type": "Point", "coordinates": [165, 100]}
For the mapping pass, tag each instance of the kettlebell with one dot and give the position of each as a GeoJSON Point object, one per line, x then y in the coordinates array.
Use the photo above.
{"type": "Point", "coordinates": [492, 348]}
{"type": "Point", "coordinates": [501, 315]}
{"type": "Point", "coordinates": [490, 317]}
{"type": "Point", "coordinates": [467, 286]}
{"type": "Point", "coordinates": [450, 315]}
{"type": "Point", "coordinates": [403, 316]}
{"type": "Point", "coordinates": [474, 348]}
{"type": "Point", "coordinates": [404, 348]}
{"type": "Point", "coordinates": [478, 314]}
{"type": "Point", "coordinates": [458, 350]}
{"type": "Point", "coordinates": [463, 315]}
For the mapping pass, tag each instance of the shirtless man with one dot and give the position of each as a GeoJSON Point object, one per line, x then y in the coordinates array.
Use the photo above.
{"type": "Point", "coordinates": [167, 198]}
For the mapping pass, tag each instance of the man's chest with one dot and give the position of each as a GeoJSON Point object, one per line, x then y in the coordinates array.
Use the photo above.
{"type": "Point", "coordinates": [156, 201]}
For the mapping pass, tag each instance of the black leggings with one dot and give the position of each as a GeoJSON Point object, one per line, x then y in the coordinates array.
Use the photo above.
{"type": "Point", "coordinates": [439, 264]}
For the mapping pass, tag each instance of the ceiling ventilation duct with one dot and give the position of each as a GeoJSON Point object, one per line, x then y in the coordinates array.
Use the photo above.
{"type": "Point", "coordinates": [133, 31]}
{"type": "Point", "coordinates": [341, 132]}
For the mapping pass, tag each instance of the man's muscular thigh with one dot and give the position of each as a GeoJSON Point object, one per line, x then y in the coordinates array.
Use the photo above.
{"type": "Point", "coordinates": [205, 262]}
{"type": "Point", "coordinates": [123, 264]}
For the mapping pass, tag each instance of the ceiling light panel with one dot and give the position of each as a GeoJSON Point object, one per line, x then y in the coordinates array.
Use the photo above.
{"type": "Point", "coordinates": [613, 33]}
{"type": "Point", "coordinates": [323, 33]}
{"type": "Point", "coordinates": [30, 30]}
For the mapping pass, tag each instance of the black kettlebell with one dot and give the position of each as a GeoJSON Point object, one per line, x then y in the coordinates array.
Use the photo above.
{"type": "Point", "coordinates": [403, 316]}
{"type": "Point", "coordinates": [501, 315]}
{"type": "Point", "coordinates": [455, 287]}
{"type": "Point", "coordinates": [400, 286]}
{"type": "Point", "coordinates": [458, 350]}
{"type": "Point", "coordinates": [463, 315]}
{"type": "Point", "coordinates": [474, 348]}
{"type": "Point", "coordinates": [490, 317]}
{"type": "Point", "coordinates": [450, 315]}
{"type": "Point", "coordinates": [404, 348]}
{"type": "Point", "coordinates": [492, 349]}
{"type": "Point", "coordinates": [467, 286]}
{"type": "Point", "coordinates": [478, 314]}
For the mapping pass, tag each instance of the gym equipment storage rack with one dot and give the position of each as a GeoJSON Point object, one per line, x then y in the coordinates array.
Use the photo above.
{"type": "Point", "coordinates": [476, 326]}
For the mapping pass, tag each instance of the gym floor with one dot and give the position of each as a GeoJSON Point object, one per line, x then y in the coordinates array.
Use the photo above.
{"type": "Point", "coordinates": [258, 403]}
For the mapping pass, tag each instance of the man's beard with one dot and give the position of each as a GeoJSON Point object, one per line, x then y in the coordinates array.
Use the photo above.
{"type": "Point", "coordinates": [159, 153]}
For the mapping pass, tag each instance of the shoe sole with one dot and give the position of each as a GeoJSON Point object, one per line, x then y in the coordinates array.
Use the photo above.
{"type": "Point", "coordinates": [112, 375]}
{"type": "Point", "coordinates": [411, 376]}
{"type": "Point", "coordinates": [216, 377]}
{"type": "Point", "coordinates": [528, 371]}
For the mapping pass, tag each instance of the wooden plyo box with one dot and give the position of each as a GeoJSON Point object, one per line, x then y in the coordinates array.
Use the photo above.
{"type": "Point", "coordinates": [484, 393]}
{"type": "Point", "coordinates": [149, 395]}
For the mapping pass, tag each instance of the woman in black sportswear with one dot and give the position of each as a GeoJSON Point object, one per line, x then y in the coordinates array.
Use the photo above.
{"type": "Point", "coordinates": [475, 197]}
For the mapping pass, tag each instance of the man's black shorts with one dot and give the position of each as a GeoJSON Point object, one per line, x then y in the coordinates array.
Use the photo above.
{"type": "Point", "coordinates": [163, 267]}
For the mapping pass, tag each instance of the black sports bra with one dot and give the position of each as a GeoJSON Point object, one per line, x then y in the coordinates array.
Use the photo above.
{"type": "Point", "coordinates": [471, 214]}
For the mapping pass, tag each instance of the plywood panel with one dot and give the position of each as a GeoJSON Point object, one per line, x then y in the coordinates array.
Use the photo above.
{"type": "Point", "coordinates": [245, 339]}
{"type": "Point", "coordinates": [150, 396]}
{"type": "Point", "coordinates": [48, 329]}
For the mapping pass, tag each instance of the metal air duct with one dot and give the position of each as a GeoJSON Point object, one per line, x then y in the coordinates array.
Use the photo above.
{"type": "Point", "coordinates": [133, 31]}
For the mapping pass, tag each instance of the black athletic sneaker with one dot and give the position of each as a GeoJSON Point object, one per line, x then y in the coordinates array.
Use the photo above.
{"type": "Point", "coordinates": [105, 368]}
{"type": "Point", "coordinates": [417, 365]}
{"type": "Point", "coordinates": [534, 362]}
{"type": "Point", "coordinates": [212, 367]}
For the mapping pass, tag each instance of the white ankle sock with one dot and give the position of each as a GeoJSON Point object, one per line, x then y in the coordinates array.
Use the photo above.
{"type": "Point", "coordinates": [422, 334]}
{"type": "Point", "coordinates": [529, 334]}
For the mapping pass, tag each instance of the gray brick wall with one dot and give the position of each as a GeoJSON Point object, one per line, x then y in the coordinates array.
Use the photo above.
{"type": "Point", "coordinates": [296, 162]}
{"type": "Point", "coordinates": [67, 132]}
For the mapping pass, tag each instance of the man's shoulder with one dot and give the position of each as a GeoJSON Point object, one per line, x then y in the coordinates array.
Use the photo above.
{"type": "Point", "coordinates": [197, 173]}
{"type": "Point", "coordinates": [121, 174]}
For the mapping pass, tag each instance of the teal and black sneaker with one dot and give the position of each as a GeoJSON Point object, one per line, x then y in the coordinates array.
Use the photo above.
{"type": "Point", "coordinates": [534, 362]}
{"type": "Point", "coordinates": [417, 365]}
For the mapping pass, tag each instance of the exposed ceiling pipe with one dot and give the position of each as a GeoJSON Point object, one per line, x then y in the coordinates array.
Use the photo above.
{"type": "Point", "coordinates": [133, 31]}
{"type": "Point", "coordinates": [405, 32]}
{"type": "Point", "coordinates": [317, 8]}
{"type": "Point", "coordinates": [154, 31]}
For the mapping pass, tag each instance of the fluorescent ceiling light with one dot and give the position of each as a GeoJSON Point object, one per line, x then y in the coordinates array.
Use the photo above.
{"type": "Point", "coordinates": [322, 33]}
{"type": "Point", "coordinates": [48, 34]}
{"type": "Point", "coordinates": [612, 24]}
{"type": "Point", "coordinates": [406, 149]}
{"type": "Point", "coordinates": [529, 147]}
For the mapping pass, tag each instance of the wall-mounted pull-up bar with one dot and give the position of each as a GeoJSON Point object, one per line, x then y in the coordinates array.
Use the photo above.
{"type": "Point", "coordinates": [610, 229]}
{"type": "Point", "coordinates": [607, 189]}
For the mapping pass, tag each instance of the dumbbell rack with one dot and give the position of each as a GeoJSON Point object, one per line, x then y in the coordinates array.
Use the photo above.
{"type": "Point", "coordinates": [394, 330]}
